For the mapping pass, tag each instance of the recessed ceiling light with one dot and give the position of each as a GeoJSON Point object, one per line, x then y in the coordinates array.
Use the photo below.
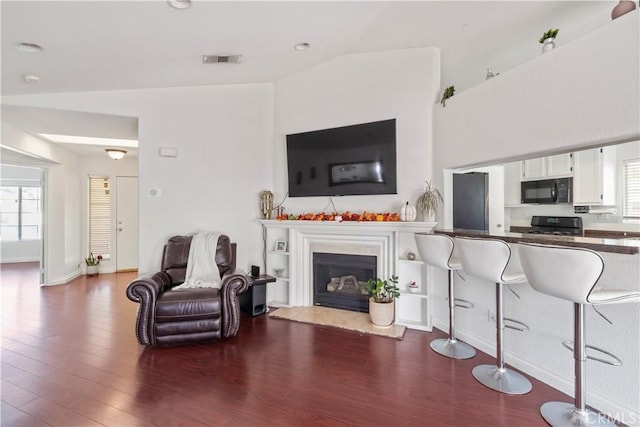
{"type": "Point", "coordinates": [29, 47]}
{"type": "Point", "coordinates": [302, 46]}
{"type": "Point", "coordinates": [30, 78]}
{"type": "Point", "coordinates": [179, 4]}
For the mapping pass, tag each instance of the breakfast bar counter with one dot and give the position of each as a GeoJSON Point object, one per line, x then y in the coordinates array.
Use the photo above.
{"type": "Point", "coordinates": [618, 246]}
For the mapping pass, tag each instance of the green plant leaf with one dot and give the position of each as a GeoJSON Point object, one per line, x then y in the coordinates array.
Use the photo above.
{"type": "Point", "coordinates": [383, 291]}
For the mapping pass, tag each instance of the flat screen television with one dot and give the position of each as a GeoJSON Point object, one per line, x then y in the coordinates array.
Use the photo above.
{"type": "Point", "coordinates": [349, 160]}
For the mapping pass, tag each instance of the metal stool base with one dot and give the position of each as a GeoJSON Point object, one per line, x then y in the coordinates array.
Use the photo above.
{"type": "Point", "coordinates": [563, 414]}
{"type": "Point", "coordinates": [502, 380]}
{"type": "Point", "coordinates": [452, 349]}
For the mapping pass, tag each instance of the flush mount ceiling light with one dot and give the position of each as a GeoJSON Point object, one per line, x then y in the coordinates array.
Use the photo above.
{"type": "Point", "coordinates": [115, 153]}
{"type": "Point", "coordinates": [29, 47]}
{"type": "Point", "coordinates": [30, 78]}
{"type": "Point", "coordinates": [302, 46]}
{"type": "Point", "coordinates": [179, 4]}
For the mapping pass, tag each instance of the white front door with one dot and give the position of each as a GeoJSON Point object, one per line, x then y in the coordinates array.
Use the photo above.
{"type": "Point", "coordinates": [126, 223]}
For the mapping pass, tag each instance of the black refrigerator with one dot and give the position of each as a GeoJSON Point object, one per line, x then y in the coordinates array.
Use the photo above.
{"type": "Point", "coordinates": [471, 201]}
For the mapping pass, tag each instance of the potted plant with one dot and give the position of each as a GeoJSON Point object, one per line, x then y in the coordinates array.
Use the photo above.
{"type": "Point", "coordinates": [448, 93]}
{"type": "Point", "coordinates": [93, 264]}
{"type": "Point", "coordinates": [427, 202]}
{"type": "Point", "coordinates": [382, 301]}
{"type": "Point", "coordinates": [548, 39]}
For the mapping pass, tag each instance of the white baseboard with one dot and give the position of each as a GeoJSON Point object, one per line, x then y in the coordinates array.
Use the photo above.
{"type": "Point", "coordinates": [563, 384]}
{"type": "Point", "coordinates": [61, 280]}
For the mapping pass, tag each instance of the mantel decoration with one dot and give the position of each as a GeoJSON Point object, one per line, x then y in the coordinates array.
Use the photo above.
{"type": "Point", "coordinates": [624, 6]}
{"type": "Point", "coordinates": [548, 39]}
{"type": "Point", "coordinates": [407, 213]}
{"type": "Point", "coordinates": [427, 202]}
{"type": "Point", "coordinates": [266, 204]}
{"type": "Point", "coordinates": [382, 301]}
{"type": "Point", "coordinates": [448, 93]}
{"type": "Point", "coordinates": [340, 217]}
{"type": "Point", "coordinates": [93, 264]}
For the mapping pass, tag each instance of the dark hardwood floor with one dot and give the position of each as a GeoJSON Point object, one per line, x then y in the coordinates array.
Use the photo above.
{"type": "Point", "coordinates": [70, 358]}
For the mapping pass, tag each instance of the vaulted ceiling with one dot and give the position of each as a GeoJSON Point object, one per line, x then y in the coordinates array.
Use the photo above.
{"type": "Point", "coordinates": [111, 45]}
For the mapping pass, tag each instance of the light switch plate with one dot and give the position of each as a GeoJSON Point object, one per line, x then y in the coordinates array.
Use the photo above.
{"type": "Point", "coordinates": [168, 152]}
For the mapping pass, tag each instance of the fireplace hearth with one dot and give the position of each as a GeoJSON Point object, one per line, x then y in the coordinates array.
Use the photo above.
{"type": "Point", "coordinates": [339, 280]}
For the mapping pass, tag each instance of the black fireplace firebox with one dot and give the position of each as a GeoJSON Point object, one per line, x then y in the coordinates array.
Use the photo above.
{"type": "Point", "coordinates": [339, 280]}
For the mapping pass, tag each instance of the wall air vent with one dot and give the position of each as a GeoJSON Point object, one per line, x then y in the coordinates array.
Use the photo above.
{"type": "Point", "coordinates": [217, 59]}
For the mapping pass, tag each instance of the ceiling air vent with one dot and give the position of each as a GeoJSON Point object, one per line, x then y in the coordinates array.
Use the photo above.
{"type": "Point", "coordinates": [216, 59]}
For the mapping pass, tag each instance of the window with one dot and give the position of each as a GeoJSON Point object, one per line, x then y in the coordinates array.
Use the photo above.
{"type": "Point", "coordinates": [100, 217]}
{"type": "Point", "coordinates": [20, 217]}
{"type": "Point", "coordinates": [631, 189]}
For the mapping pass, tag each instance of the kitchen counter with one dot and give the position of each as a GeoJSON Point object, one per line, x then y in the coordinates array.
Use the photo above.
{"type": "Point", "coordinates": [618, 246]}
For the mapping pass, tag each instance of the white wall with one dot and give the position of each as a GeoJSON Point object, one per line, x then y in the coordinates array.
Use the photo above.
{"type": "Point", "coordinates": [581, 94]}
{"type": "Point", "coordinates": [227, 152]}
{"type": "Point", "coordinates": [362, 88]}
{"type": "Point", "coordinates": [223, 135]}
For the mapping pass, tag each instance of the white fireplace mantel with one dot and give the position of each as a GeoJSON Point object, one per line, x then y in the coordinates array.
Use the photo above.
{"type": "Point", "coordinates": [388, 241]}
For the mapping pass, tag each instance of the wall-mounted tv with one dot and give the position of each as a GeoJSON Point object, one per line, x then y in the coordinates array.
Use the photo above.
{"type": "Point", "coordinates": [350, 160]}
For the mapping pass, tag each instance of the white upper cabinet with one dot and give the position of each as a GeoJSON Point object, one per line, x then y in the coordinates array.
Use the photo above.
{"type": "Point", "coordinates": [594, 180]}
{"type": "Point", "coordinates": [560, 165]}
{"type": "Point", "coordinates": [557, 166]}
{"type": "Point", "coordinates": [534, 169]}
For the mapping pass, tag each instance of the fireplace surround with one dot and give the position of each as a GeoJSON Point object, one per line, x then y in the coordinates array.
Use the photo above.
{"type": "Point", "coordinates": [389, 242]}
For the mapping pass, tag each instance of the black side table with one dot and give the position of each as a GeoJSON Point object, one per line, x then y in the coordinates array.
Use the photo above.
{"type": "Point", "coordinates": [254, 300]}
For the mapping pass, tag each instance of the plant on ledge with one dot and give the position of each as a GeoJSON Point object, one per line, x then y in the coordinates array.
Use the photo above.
{"type": "Point", "coordinates": [448, 93]}
{"type": "Point", "coordinates": [428, 200]}
{"type": "Point", "coordinates": [383, 291]}
{"type": "Point", "coordinates": [549, 34]}
{"type": "Point", "coordinates": [93, 260]}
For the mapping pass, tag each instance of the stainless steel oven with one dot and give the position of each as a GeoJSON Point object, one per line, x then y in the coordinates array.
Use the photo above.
{"type": "Point", "coordinates": [547, 191]}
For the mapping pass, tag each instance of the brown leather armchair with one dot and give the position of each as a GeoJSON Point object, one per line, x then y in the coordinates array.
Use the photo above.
{"type": "Point", "coordinates": [185, 316]}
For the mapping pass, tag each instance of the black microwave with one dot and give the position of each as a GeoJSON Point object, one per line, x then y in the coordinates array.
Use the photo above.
{"type": "Point", "coordinates": [547, 191]}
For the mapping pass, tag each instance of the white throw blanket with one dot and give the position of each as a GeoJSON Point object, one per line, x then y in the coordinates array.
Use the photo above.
{"type": "Point", "coordinates": [202, 270]}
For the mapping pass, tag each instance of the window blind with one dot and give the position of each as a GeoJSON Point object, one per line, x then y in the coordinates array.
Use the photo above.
{"type": "Point", "coordinates": [631, 189]}
{"type": "Point", "coordinates": [100, 217]}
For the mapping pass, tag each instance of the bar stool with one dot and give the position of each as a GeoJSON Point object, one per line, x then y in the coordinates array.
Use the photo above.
{"type": "Point", "coordinates": [489, 259]}
{"type": "Point", "coordinates": [572, 274]}
{"type": "Point", "coordinates": [437, 250]}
